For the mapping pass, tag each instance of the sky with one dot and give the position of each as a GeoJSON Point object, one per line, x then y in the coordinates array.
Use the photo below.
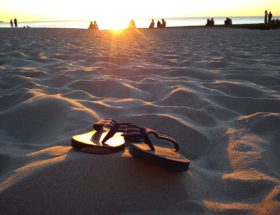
{"type": "Point", "coordinates": [34, 10]}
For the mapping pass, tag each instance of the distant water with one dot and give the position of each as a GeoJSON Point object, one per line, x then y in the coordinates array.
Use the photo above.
{"type": "Point", "coordinates": [140, 23]}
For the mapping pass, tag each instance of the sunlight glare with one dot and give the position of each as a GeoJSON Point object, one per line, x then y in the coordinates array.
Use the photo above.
{"type": "Point", "coordinates": [117, 31]}
{"type": "Point", "coordinates": [114, 24]}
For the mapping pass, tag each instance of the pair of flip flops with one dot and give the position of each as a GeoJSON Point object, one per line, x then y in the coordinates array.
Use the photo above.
{"type": "Point", "coordinates": [109, 136]}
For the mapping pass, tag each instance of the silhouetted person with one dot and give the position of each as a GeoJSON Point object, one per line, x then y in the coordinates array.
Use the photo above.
{"type": "Point", "coordinates": [269, 17]}
{"type": "Point", "coordinates": [15, 22]}
{"type": "Point", "coordinates": [208, 22]}
{"type": "Point", "coordinates": [132, 24]}
{"type": "Point", "coordinates": [11, 23]}
{"type": "Point", "coordinates": [152, 24]}
{"type": "Point", "coordinates": [90, 26]}
{"type": "Point", "coordinates": [158, 24]}
{"type": "Point", "coordinates": [163, 23]}
{"type": "Point", "coordinates": [93, 26]}
{"type": "Point", "coordinates": [228, 21]}
{"type": "Point", "coordinates": [212, 22]}
{"type": "Point", "coordinates": [265, 16]}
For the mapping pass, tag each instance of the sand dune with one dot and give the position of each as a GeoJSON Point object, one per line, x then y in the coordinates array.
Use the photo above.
{"type": "Point", "coordinates": [215, 90]}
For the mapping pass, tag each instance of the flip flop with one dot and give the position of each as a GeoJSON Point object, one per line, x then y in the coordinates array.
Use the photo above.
{"type": "Point", "coordinates": [142, 147]}
{"type": "Point", "coordinates": [104, 139]}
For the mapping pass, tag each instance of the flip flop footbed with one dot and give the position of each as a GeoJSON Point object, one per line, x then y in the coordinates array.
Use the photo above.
{"type": "Point", "coordinates": [89, 142]}
{"type": "Point", "coordinates": [161, 156]}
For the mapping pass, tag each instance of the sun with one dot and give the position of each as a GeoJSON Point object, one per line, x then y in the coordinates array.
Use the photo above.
{"type": "Point", "coordinates": [117, 31]}
{"type": "Point", "coordinates": [113, 24]}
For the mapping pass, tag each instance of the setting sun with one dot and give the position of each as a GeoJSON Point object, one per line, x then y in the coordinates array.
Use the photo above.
{"type": "Point", "coordinates": [115, 24]}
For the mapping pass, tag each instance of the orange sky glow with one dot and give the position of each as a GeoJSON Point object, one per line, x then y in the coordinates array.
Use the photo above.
{"type": "Point", "coordinates": [113, 12]}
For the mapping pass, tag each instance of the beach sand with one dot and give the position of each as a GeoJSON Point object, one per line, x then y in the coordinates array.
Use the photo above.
{"type": "Point", "coordinates": [216, 90]}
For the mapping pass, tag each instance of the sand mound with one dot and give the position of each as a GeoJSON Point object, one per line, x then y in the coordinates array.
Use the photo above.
{"type": "Point", "coordinates": [263, 122]}
{"type": "Point", "coordinates": [101, 89]}
{"type": "Point", "coordinates": [183, 97]}
{"type": "Point", "coordinates": [33, 117]}
{"type": "Point", "coordinates": [54, 193]}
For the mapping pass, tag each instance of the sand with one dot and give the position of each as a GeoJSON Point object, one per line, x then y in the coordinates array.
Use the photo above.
{"type": "Point", "coordinates": [216, 90]}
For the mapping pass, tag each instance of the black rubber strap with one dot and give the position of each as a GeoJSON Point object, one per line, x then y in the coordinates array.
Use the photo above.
{"type": "Point", "coordinates": [164, 137]}
{"type": "Point", "coordinates": [100, 124]}
{"type": "Point", "coordinates": [135, 133]}
{"type": "Point", "coordinates": [113, 127]}
{"type": "Point", "coordinates": [118, 127]}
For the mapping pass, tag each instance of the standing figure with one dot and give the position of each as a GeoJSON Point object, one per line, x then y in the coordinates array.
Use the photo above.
{"type": "Point", "coordinates": [212, 22]}
{"type": "Point", "coordinates": [95, 26]}
{"type": "Point", "coordinates": [208, 23]}
{"type": "Point", "coordinates": [90, 26]}
{"type": "Point", "coordinates": [269, 17]}
{"type": "Point", "coordinates": [11, 23]}
{"type": "Point", "coordinates": [163, 24]}
{"type": "Point", "coordinates": [265, 16]}
{"type": "Point", "coordinates": [132, 24]}
{"type": "Point", "coordinates": [152, 25]}
{"type": "Point", "coordinates": [15, 22]}
{"type": "Point", "coordinates": [158, 24]}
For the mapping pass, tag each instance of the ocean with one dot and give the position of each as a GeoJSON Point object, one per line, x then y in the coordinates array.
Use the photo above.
{"type": "Point", "coordinates": [140, 23]}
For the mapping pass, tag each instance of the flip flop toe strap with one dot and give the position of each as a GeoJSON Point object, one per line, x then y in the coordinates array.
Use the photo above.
{"type": "Point", "coordinates": [104, 123]}
{"type": "Point", "coordinates": [135, 133]}
{"type": "Point", "coordinates": [112, 125]}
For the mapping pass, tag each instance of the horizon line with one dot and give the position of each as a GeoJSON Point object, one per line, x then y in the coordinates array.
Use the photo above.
{"type": "Point", "coordinates": [178, 17]}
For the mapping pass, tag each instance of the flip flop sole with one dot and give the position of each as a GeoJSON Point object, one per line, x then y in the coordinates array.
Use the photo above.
{"type": "Point", "coordinates": [162, 156]}
{"type": "Point", "coordinates": [85, 143]}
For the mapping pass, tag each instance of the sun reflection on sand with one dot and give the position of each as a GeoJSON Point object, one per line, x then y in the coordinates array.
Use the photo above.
{"type": "Point", "coordinates": [117, 31]}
